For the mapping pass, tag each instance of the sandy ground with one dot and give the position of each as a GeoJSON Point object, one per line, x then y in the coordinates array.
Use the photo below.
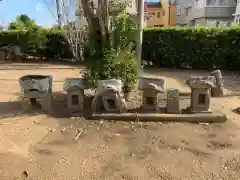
{"type": "Point", "coordinates": [43, 145]}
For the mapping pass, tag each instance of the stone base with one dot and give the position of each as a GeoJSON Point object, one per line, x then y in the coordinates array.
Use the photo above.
{"type": "Point", "coordinates": [44, 103]}
{"type": "Point", "coordinates": [71, 104]}
{"type": "Point", "coordinates": [207, 111]}
{"type": "Point", "coordinates": [118, 104]}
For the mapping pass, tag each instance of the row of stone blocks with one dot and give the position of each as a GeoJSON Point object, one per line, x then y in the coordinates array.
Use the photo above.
{"type": "Point", "coordinates": [109, 94]}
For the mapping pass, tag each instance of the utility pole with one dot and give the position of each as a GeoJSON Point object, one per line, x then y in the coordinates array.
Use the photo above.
{"type": "Point", "coordinates": [59, 14]}
{"type": "Point", "coordinates": [140, 8]}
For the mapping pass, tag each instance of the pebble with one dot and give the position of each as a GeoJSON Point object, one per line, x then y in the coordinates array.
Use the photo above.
{"type": "Point", "coordinates": [25, 173]}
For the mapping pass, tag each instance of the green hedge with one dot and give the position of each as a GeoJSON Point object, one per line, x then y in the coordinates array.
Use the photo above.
{"type": "Point", "coordinates": [41, 43]}
{"type": "Point", "coordinates": [197, 48]}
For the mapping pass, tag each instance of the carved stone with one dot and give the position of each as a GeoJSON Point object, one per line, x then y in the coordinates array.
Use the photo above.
{"type": "Point", "coordinates": [200, 93]}
{"type": "Point", "coordinates": [75, 93]}
{"type": "Point", "coordinates": [109, 94]}
{"type": "Point", "coordinates": [217, 89]}
{"type": "Point", "coordinates": [37, 91]}
{"type": "Point", "coordinates": [173, 101]}
{"type": "Point", "coordinates": [151, 88]}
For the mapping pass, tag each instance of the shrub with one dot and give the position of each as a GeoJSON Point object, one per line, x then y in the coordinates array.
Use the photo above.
{"type": "Point", "coordinates": [197, 48]}
{"type": "Point", "coordinates": [115, 64]}
{"type": "Point", "coordinates": [39, 43]}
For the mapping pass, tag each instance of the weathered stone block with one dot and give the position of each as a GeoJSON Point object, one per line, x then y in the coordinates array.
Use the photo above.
{"type": "Point", "coordinates": [200, 93]}
{"type": "Point", "coordinates": [217, 89]}
{"type": "Point", "coordinates": [109, 94]}
{"type": "Point", "coordinates": [37, 91]}
{"type": "Point", "coordinates": [75, 93]}
{"type": "Point", "coordinates": [151, 88]}
{"type": "Point", "coordinates": [173, 106]}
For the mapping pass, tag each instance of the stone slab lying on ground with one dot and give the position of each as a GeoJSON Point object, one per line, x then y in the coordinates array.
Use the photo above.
{"type": "Point", "coordinates": [201, 117]}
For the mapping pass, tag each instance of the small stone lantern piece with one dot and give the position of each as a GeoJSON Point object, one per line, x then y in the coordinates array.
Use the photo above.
{"type": "Point", "coordinates": [217, 89]}
{"type": "Point", "coordinates": [75, 93]}
{"type": "Point", "coordinates": [200, 93]}
{"type": "Point", "coordinates": [173, 106]}
{"type": "Point", "coordinates": [151, 88]}
{"type": "Point", "coordinates": [109, 95]}
{"type": "Point", "coordinates": [37, 91]}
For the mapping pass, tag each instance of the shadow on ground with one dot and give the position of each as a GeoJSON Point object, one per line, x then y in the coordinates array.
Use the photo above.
{"type": "Point", "coordinates": [59, 108]}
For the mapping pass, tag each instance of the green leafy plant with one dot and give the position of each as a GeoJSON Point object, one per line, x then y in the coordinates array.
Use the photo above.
{"type": "Point", "coordinates": [116, 60]}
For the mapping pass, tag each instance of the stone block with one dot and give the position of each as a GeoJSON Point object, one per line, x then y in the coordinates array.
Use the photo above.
{"type": "Point", "coordinates": [37, 91]}
{"type": "Point", "coordinates": [218, 89]}
{"type": "Point", "coordinates": [151, 88]}
{"type": "Point", "coordinates": [109, 94]}
{"type": "Point", "coordinates": [201, 93]}
{"type": "Point", "coordinates": [75, 100]}
{"type": "Point", "coordinates": [74, 87]}
{"type": "Point", "coordinates": [173, 106]}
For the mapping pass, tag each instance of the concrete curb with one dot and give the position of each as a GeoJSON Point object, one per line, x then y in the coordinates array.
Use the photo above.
{"type": "Point", "coordinates": [194, 118]}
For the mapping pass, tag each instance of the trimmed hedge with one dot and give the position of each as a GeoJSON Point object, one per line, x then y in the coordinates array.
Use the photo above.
{"type": "Point", "coordinates": [50, 44]}
{"type": "Point", "coordinates": [196, 48]}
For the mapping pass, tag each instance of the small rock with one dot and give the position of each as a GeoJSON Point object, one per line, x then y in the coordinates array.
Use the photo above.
{"type": "Point", "coordinates": [98, 128]}
{"type": "Point", "coordinates": [25, 173]}
{"type": "Point", "coordinates": [179, 149]}
{"type": "Point", "coordinates": [52, 130]}
{"type": "Point", "coordinates": [101, 122]}
{"type": "Point", "coordinates": [36, 122]}
{"type": "Point", "coordinates": [64, 129]}
{"type": "Point", "coordinates": [117, 134]}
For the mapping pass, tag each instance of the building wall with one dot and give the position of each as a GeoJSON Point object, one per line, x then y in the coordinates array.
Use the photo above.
{"type": "Point", "coordinates": [153, 18]}
{"type": "Point", "coordinates": [202, 12]}
{"type": "Point", "coordinates": [182, 18]}
{"type": "Point", "coordinates": [167, 15]}
{"type": "Point", "coordinates": [170, 13]}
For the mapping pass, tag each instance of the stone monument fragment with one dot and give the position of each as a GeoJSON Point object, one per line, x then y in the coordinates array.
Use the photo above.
{"type": "Point", "coordinates": [74, 88]}
{"type": "Point", "coordinates": [217, 89]}
{"type": "Point", "coordinates": [173, 101]}
{"type": "Point", "coordinates": [109, 95]}
{"type": "Point", "coordinates": [151, 88]}
{"type": "Point", "coordinates": [200, 93]}
{"type": "Point", "coordinates": [37, 91]}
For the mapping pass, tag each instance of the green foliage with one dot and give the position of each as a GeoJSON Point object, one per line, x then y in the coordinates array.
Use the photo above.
{"type": "Point", "coordinates": [115, 64]}
{"type": "Point", "coordinates": [196, 48]}
{"type": "Point", "coordinates": [118, 61]}
{"type": "Point", "coordinates": [23, 22]}
{"type": "Point", "coordinates": [50, 44]}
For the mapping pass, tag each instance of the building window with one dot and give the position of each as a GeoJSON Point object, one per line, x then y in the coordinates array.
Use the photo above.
{"type": "Point", "coordinates": [211, 23]}
{"type": "Point", "coordinates": [152, 13]}
{"type": "Point", "coordinates": [178, 10]}
{"type": "Point", "coordinates": [158, 14]}
{"type": "Point", "coordinates": [163, 13]}
{"type": "Point", "coordinates": [211, 2]}
{"type": "Point", "coordinates": [187, 11]}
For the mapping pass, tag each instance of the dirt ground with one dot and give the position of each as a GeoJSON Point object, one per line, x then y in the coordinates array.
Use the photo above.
{"type": "Point", "coordinates": [41, 147]}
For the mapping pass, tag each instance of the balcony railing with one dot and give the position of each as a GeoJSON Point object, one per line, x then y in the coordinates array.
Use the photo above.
{"type": "Point", "coordinates": [220, 3]}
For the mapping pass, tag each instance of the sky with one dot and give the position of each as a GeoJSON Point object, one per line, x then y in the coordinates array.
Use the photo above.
{"type": "Point", "coordinates": [42, 13]}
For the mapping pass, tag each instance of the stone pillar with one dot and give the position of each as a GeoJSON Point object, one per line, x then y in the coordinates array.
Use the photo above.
{"type": "Point", "coordinates": [217, 90]}
{"type": "Point", "coordinates": [173, 106]}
